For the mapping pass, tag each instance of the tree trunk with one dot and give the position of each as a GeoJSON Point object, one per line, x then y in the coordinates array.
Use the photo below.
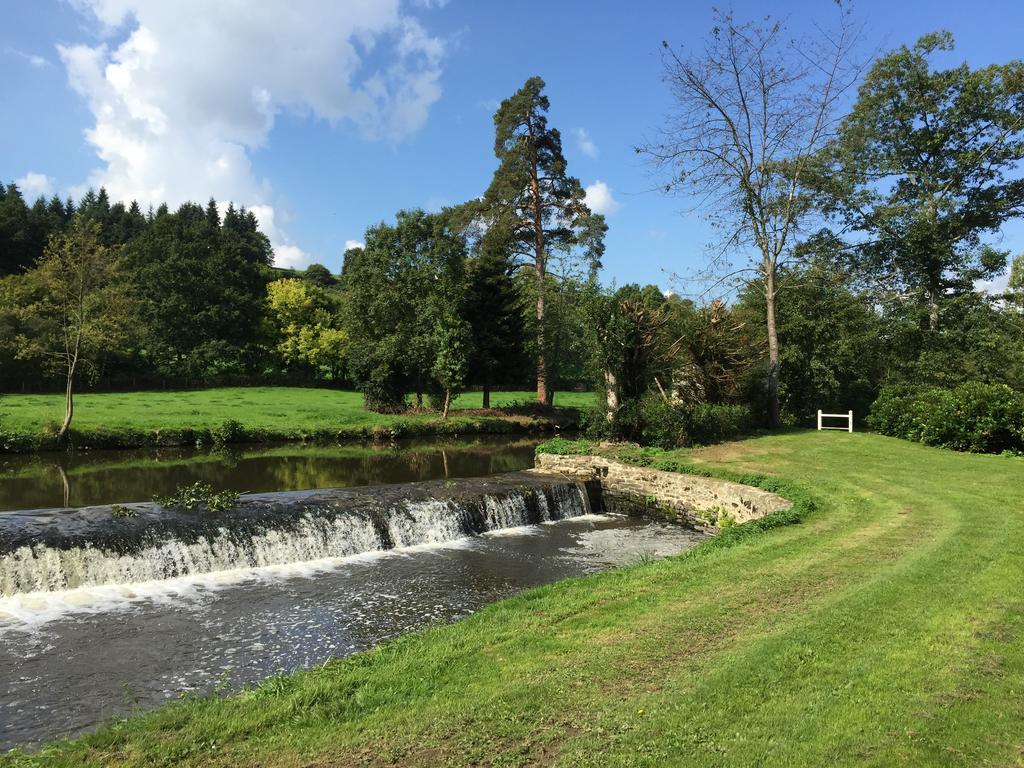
{"type": "Point", "coordinates": [542, 369]}
{"type": "Point", "coordinates": [447, 403]}
{"type": "Point", "coordinates": [933, 305]}
{"type": "Point", "coordinates": [487, 394]}
{"type": "Point", "coordinates": [773, 351]}
{"type": "Point", "coordinates": [69, 408]}
{"type": "Point", "coordinates": [611, 394]}
{"type": "Point", "coordinates": [538, 251]}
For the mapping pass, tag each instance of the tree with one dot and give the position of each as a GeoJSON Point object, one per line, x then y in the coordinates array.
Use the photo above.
{"type": "Point", "coordinates": [377, 307]}
{"type": "Point", "coordinates": [203, 288]}
{"type": "Point", "coordinates": [712, 353]}
{"type": "Point", "coordinates": [82, 309]}
{"type": "Point", "coordinates": [402, 297]}
{"type": "Point", "coordinates": [305, 327]}
{"type": "Point", "coordinates": [570, 340]}
{"type": "Point", "coordinates": [751, 111]}
{"type": "Point", "coordinates": [16, 251]}
{"type": "Point", "coordinates": [319, 275]}
{"type": "Point", "coordinates": [1015, 284]}
{"type": "Point", "coordinates": [533, 205]}
{"type": "Point", "coordinates": [981, 339]}
{"type": "Point", "coordinates": [451, 364]}
{"type": "Point", "coordinates": [924, 167]}
{"type": "Point", "coordinates": [633, 344]}
{"type": "Point", "coordinates": [445, 303]}
{"type": "Point", "coordinates": [834, 342]}
{"type": "Point", "coordinates": [495, 320]}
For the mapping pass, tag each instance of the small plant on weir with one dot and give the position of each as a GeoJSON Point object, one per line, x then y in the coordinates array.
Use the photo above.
{"type": "Point", "coordinates": [189, 497]}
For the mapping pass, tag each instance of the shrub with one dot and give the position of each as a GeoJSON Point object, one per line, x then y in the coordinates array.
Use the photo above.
{"type": "Point", "coordinates": [383, 392]}
{"type": "Point", "coordinates": [190, 497]}
{"type": "Point", "coordinates": [594, 423]}
{"type": "Point", "coordinates": [230, 431]}
{"type": "Point", "coordinates": [652, 421]}
{"type": "Point", "coordinates": [977, 417]}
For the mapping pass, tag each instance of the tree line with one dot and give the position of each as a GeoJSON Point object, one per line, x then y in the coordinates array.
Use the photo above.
{"type": "Point", "coordinates": [871, 226]}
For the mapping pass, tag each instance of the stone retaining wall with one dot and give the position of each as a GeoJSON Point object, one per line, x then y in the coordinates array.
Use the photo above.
{"type": "Point", "coordinates": [698, 501]}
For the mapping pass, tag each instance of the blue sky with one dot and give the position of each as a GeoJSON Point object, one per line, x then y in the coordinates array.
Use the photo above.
{"type": "Point", "coordinates": [330, 115]}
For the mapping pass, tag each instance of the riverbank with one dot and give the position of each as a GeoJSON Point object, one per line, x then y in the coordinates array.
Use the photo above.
{"type": "Point", "coordinates": [885, 629]}
{"type": "Point", "coordinates": [261, 415]}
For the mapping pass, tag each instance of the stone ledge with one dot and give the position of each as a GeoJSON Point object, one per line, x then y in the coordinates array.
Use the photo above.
{"type": "Point", "coordinates": [696, 500]}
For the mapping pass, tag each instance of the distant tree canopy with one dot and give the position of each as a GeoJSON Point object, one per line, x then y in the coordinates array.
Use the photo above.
{"type": "Point", "coordinates": [923, 169]}
{"type": "Point", "coordinates": [873, 235]}
{"type": "Point", "coordinates": [404, 292]}
{"type": "Point", "coordinates": [304, 326]}
{"type": "Point", "coordinates": [199, 280]}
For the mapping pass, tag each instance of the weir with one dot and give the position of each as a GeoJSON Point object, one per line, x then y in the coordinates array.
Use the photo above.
{"type": "Point", "coordinates": [59, 549]}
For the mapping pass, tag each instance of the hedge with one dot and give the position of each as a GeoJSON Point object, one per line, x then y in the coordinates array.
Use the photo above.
{"type": "Point", "coordinates": [976, 417]}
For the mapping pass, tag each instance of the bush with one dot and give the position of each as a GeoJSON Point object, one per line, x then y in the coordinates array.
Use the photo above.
{"type": "Point", "coordinates": [230, 431]}
{"type": "Point", "coordinates": [977, 417]}
{"type": "Point", "coordinates": [652, 421]}
{"type": "Point", "coordinates": [384, 393]}
{"type": "Point", "coordinates": [594, 423]}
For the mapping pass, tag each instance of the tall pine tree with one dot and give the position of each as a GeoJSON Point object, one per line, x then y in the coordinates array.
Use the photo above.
{"type": "Point", "coordinates": [533, 204]}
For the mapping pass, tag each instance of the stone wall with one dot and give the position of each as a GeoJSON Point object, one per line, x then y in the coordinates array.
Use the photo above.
{"type": "Point", "coordinates": [632, 490]}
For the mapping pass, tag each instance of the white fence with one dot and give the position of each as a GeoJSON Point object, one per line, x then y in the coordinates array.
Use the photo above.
{"type": "Point", "coordinates": [848, 416]}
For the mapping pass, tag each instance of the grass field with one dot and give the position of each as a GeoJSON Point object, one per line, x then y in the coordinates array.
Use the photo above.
{"type": "Point", "coordinates": [885, 629]}
{"type": "Point", "coordinates": [278, 412]}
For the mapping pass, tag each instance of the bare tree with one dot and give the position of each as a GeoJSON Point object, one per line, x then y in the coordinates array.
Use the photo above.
{"type": "Point", "coordinates": [750, 113]}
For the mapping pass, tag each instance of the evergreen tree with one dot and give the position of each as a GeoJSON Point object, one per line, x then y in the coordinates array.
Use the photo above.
{"type": "Point", "coordinates": [17, 245]}
{"type": "Point", "coordinates": [203, 287]}
{"type": "Point", "coordinates": [533, 204]}
{"type": "Point", "coordinates": [495, 320]}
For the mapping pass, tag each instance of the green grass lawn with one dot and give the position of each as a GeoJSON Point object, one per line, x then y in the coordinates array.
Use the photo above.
{"type": "Point", "coordinates": [886, 629]}
{"type": "Point", "coordinates": [280, 411]}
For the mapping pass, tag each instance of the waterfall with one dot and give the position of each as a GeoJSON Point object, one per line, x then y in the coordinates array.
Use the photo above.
{"type": "Point", "coordinates": [60, 550]}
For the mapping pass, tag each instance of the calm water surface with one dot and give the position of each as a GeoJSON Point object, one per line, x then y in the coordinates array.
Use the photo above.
{"type": "Point", "coordinates": [34, 481]}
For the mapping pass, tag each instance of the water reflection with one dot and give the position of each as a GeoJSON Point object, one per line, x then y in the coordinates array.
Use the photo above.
{"type": "Point", "coordinates": [107, 477]}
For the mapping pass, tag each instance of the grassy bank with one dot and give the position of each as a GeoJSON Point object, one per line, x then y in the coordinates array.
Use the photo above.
{"type": "Point", "coordinates": [256, 414]}
{"type": "Point", "coordinates": [887, 628]}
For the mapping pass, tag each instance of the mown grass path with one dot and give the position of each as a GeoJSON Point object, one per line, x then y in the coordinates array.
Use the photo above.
{"type": "Point", "coordinates": [886, 629]}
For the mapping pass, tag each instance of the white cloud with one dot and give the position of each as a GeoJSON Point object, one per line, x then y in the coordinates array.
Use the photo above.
{"type": "Point", "coordinates": [585, 144]}
{"type": "Point", "coordinates": [350, 244]}
{"type": "Point", "coordinates": [35, 60]}
{"type": "Point", "coordinates": [33, 185]}
{"type": "Point", "coordinates": [599, 198]}
{"type": "Point", "coordinates": [182, 101]}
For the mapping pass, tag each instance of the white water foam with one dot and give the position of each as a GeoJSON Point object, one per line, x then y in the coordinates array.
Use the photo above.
{"type": "Point", "coordinates": [91, 580]}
